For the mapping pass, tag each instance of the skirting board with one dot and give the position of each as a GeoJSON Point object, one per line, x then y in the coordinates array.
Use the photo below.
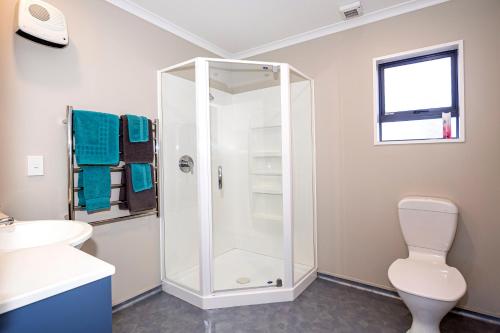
{"type": "Point", "coordinates": [135, 299]}
{"type": "Point", "coordinates": [393, 294]}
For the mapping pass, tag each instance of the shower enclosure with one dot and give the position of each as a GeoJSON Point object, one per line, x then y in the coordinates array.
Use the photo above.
{"type": "Point", "coordinates": [237, 182]}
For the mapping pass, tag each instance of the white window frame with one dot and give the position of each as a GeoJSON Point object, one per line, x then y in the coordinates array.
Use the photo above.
{"type": "Point", "coordinates": [456, 45]}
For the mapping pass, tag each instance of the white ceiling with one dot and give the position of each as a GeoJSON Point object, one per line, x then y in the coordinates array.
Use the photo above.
{"type": "Point", "coordinates": [241, 28]}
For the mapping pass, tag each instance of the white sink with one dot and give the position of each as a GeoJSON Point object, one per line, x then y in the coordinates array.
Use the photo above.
{"type": "Point", "coordinates": [25, 234]}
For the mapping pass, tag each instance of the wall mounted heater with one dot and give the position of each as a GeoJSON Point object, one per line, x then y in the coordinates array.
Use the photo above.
{"type": "Point", "coordinates": [42, 23]}
{"type": "Point", "coordinates": [351, 10]}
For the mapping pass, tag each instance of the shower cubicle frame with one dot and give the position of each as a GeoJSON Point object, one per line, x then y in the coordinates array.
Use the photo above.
{"type": "Point", "coordinates": [207, 298]}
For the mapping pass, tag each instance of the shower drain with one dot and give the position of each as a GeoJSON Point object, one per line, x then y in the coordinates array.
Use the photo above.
{"type": "Point", "coordinates": [243, 280]}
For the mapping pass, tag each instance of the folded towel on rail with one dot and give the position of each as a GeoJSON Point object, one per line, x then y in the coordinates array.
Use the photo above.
{"type": "Point", "coordinates": [138, 128]}
{"type": "Point", "coordinates": [135, 152]}
{"type": "Point", "coordinates": [141, 177]}
{"type": "Point", "coordinates": [96, 138]}
{"type": "Point", "coordinates": [96, 184]}
{"type": "Point", "coordinates": [136, 201]}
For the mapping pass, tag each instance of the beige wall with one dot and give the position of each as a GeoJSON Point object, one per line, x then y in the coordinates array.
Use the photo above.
{"type": "Point", "coordinates": [110, 66]}
{"type": "Point", "coordinates": [359, 184]}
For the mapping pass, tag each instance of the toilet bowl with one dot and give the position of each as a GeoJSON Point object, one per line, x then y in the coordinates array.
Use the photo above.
{"type": "Point", "coordinates": [426, 284]}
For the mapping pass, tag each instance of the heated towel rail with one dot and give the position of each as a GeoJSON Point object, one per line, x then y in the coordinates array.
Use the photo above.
{"type": "Point", "coordinates": [72, 169]}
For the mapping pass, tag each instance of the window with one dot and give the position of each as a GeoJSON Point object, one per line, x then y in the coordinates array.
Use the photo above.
{"type": "Point", "coordinates": [418, 96]}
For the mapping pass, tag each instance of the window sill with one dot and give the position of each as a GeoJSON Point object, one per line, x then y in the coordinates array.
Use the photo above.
{"type": "Point", "coordinates": [424, 141]}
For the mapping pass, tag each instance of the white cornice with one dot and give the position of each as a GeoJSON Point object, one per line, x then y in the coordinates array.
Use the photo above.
{"type": "Point", "coordinates": [402, 8]}
{"type": "Point", "coordinates": [165, 24]}
{"type": "Point", "coordinates": [371, 17]}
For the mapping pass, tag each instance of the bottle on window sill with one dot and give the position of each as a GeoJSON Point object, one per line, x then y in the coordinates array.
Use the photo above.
{"type": "Point", "coordinates": [446, 125]}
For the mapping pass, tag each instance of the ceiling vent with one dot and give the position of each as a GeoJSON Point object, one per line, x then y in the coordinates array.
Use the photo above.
{"type": "Point", "coordinates": [351, 10]}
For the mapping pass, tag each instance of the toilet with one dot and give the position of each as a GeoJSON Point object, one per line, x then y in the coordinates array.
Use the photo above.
{"type": "Point", "coordinates": [427, 285]}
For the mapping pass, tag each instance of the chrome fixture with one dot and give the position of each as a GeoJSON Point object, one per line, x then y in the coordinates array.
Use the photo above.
{"type": "Point", "coordinates": [270, 68]}
{"type": "Point", "coordinates": [7, 220]}
{"type": "Point", "coordinates": [219, 173]}
{"type": "Point", "coordinates": [186, 164]}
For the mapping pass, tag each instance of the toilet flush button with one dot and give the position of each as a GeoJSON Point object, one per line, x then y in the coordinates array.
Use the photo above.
{"type": "Point", "coordinates": [35, 165]}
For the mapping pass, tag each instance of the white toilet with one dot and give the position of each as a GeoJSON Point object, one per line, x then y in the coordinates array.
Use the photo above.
{"type": "Point", "coordinates": [428, 286]}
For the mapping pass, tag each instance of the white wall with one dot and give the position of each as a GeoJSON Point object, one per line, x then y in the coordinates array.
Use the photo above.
{"type": "Point", "coordinates": [229, 145]}
{"type": "Point", "coordinates": [234, 140]}
{"type": "Point", "coordinates": [259, 235]}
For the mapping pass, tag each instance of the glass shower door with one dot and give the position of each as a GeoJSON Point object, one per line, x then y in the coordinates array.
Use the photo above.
{"type": "Point", "coordinates": [302, 159]}
{"type": "Point", "coordinates": [246, 163]}
{"type": "Point", "coordinates": [180, 202]}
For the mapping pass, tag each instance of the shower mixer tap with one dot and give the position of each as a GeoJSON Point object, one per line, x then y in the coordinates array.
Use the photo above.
{"type": "Point", "coordinates": [6, 220]}
{"type": "Point", "coordinates": [219, 173]}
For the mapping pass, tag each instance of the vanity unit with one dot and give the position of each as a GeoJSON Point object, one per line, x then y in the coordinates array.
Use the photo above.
{"type": "Point", "coordinates": [54, 288]}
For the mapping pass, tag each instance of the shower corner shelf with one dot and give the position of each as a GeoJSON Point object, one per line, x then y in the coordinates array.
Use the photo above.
{"type": "Point", "coordinates": [265, 154]}
{"type": "Point", "coordinates": [265, 169]}
{"type": "Point", "coordinates": [268, 217]}
{"type": "Point", "coordinates": [264, 127]}
{"type": "Point", "coordinates": [267, 190]}
{"type": "Point", "coordinates": [265, 173]}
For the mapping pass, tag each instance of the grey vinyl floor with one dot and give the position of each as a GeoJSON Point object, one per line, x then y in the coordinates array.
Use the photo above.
{"type": "Point", "coordinates": [324, 307]}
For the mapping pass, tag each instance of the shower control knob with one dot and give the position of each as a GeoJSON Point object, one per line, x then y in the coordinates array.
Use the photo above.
{"type": "Point", "coordinates": [186, 164]}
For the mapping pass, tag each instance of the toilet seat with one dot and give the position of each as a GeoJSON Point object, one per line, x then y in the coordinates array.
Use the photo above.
{"type": "Point", "coordinates": [426, 279]}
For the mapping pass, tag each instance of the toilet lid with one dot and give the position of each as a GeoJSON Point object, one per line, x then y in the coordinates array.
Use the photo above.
{"type": "Point", "coordinates": [431, 280]}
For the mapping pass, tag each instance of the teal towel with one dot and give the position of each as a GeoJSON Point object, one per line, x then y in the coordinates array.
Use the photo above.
{"type": "Point", "coordinates": [96, 183]}
{"type": "Point", "coordinates": [141, 176]}
{"type": "Point", "coordinates": [96, 138]}
{"type": "Point", "coordinates": [138, 129]}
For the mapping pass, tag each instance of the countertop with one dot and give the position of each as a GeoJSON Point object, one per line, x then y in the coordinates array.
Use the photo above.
{"type": "Point", "coordinates": [33, 274]}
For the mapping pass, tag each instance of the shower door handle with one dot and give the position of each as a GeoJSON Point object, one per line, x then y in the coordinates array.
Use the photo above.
{"type": "Point", "coordinates": [219, 174]}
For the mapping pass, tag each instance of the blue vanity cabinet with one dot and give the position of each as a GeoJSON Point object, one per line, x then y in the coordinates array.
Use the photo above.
{"type": "Point", "coordinates": [85, 309]}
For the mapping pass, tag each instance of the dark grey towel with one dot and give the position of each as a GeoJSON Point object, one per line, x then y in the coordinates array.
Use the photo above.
{"type": "Point", "coordinates": [136, 201]}
{"type": "Point", "coordinates": [135, 152]}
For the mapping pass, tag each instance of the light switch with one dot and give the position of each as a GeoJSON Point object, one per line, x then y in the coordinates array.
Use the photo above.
{"type": "Point", "coordinates": [35, 165]}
